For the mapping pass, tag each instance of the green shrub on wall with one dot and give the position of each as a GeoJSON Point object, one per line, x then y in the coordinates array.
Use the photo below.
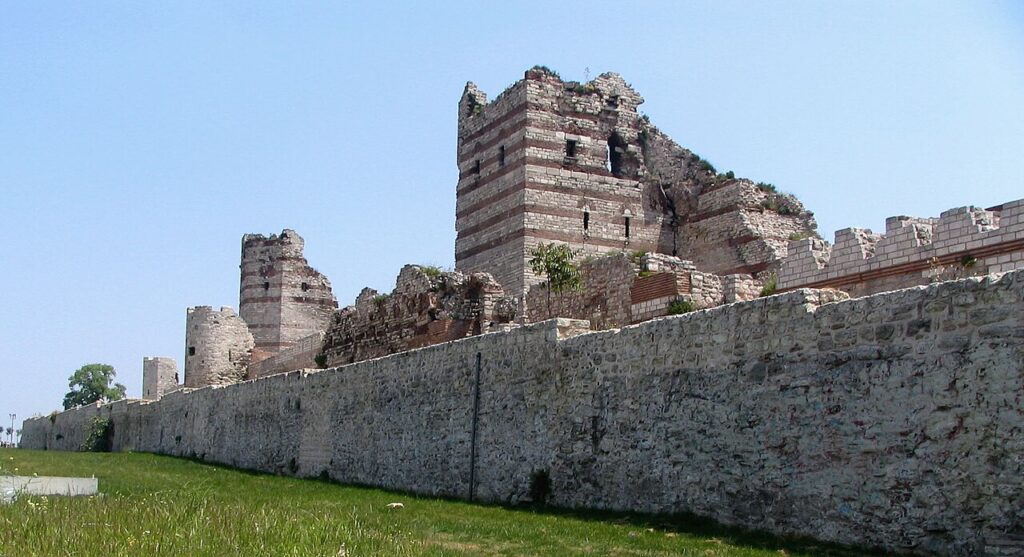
{"type": "Point", "coordinates": [99, 435]}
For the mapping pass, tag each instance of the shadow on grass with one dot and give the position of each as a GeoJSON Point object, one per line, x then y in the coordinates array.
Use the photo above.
{"type": "Point", "coordinates": [701, 526]}
{"type": "Point", "coordinates": [687, 524]}
{"type": "Point", "coordinates": [680, 523]}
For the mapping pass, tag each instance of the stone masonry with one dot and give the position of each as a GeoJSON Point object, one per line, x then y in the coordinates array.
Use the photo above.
{"type": "Point", "coordinates": [427, 306]}
{"type": "Point", "coordinates": [218, 347]}
{"type": "Point", "coordinates": [624, 288]}
{"type": "Point", "coordinates": [159, 377]}
{"type": "Point", "coordinates": [281, 298]}
{"type": "Point", "coordinates": [892, 420]}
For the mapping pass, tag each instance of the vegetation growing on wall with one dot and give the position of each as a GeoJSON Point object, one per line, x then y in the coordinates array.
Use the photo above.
{"type": "Point", "coordinates": [555, 263]}
{"type": "Point", "coordinates": [99, 435]}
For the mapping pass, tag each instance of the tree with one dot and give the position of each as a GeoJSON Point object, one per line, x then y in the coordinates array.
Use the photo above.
{"type": "Point", "coordinates": [90, 383]}
{"type": "Point", "coordinates": [554, 262]}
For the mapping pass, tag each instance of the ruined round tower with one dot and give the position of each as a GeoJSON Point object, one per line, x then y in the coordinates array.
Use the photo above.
{"type": "Point", "coordinates": [281, 298]}
{"type": "Point", "coordinates": [218, 347]}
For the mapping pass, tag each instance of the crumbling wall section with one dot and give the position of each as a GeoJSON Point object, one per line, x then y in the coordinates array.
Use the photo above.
{"type": "Point", "coordinates": [962, 242]}
{"type": "Point", "coordinates": [426, 307]}
{"type": "Point", "coordinates": [218, 347]}
{"type": "Point", "coordinates": [159, 377]}
{"type": "Point", "coordinates": [723, 224]}
{"type": "Point", "coordinates": [624, 288]}
{"type": "Point", "coordinates": [282, 298]}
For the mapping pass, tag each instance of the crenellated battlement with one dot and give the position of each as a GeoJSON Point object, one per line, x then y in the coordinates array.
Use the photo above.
{"type": "Point", "coordinates": [960, 242]}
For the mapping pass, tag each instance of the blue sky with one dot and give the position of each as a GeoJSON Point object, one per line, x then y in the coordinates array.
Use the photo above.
{"type": "Point", "coordinates": [139, 141]}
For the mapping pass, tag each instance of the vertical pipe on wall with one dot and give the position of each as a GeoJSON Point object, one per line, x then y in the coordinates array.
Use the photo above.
{"type": "Point", "coordinates": [472, 441]}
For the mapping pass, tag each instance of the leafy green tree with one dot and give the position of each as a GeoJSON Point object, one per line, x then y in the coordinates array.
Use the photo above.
{"type": "Point", "coordinates": [554, 262]}
{"type": "Point", "coordinates": [90, 383]}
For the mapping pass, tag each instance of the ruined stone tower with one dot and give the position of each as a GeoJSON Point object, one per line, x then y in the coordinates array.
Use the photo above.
{"type": "Point", "coordinates": [281, 298]}
{"type": "Point", "coordinates": [218, 347]}
{"type": "Point", "coordinates": [159, 377]}
{"type": "Point", "coordinates": [545, 162]}
{"type": "Point", "coordinates": [575, 163]}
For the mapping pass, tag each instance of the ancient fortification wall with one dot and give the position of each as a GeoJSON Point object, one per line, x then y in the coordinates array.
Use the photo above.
{"type": "Point", "coordinates": [962, 242]}
{"type": "Point", "coordinates": [893, 419]}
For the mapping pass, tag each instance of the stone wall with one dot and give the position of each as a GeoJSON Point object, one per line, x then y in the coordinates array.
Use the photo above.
{"type": "Point", "coordinates": [426, 307]}
{"type": "Point", "coordinates": [913, 251]}
{"type": "Point", "coordinates": [159, 377]}
{"type": "Point", "coordinates": [891, 420]}
{"type": "Point", "coordinates": [300, 355]}
{"type": "Point", "coordinates": [281, 298]}
{"type": "Point", "coordinates": [625, 288]}
{"type": "Point", "coordinates": [604, 299]}
{"type": "Point", "coordinates": [218, 347]}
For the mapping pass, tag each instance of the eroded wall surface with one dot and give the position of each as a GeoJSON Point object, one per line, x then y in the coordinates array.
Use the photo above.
{"type": "Point", "coordinates": [893, 419]}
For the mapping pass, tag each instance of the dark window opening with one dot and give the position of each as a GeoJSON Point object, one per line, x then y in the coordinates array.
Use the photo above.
{"type": "Point", "coordinates": [266, 286]}
{"type": "Point", "coordinates": [305, 287]}
{"type": "Point", "coordinates": [570, 148]}
{"type": "Point", "coordinates": [613, 101]}
{"type": "Point", "coordinates": [501, 156]}
{"type": "Point", "coordinates": [586, 220]}
{"type": "Point", "coordinates": [616, 150]}
{"type": "Point", "coordinates": [476, 166]}
{"type": "Point", "coordinates": [627, 226]}
{"type": "Point", "coordinates": [191, 350]}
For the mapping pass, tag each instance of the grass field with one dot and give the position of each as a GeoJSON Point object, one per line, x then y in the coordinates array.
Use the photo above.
{"type": "Point", "coordinates": [155, 505]}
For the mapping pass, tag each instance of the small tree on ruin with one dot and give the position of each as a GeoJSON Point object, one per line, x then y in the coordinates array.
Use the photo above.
{"type": "Point", "coordinates": [554, 262]}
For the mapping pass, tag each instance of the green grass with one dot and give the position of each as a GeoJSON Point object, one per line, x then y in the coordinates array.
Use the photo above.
{"type": "Point", "coordinates": [156, 505]}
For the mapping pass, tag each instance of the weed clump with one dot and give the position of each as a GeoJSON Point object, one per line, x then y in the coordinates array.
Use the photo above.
{"type": "Point", "coordinates": [680, 306]}
{"type": "Point", "coordinates": [99, 435]}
